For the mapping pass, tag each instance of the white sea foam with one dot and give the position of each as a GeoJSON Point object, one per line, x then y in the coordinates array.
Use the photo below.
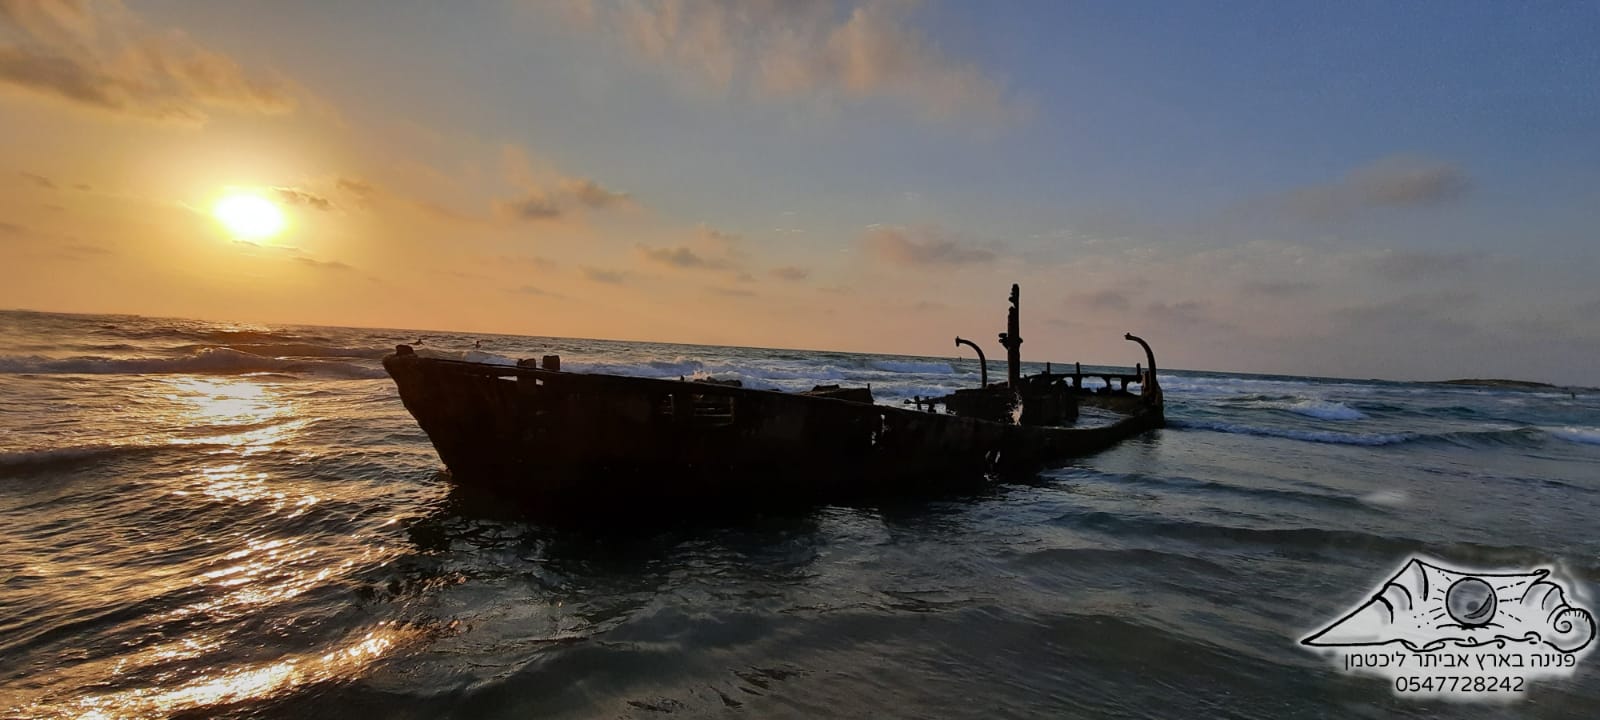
{"type": "Point", "coordinates": [920, 367]}
{"type": "Point", "coordinates": [1386, 498]}
{"type": "Point", "coordinates": [644, 368]}
{"type": "Point", "coordinates": [487, 358]}
{"type": "Point", "coordinates": [1571, 433]}
{"type": "Point", "coordinates": [1319, 409]}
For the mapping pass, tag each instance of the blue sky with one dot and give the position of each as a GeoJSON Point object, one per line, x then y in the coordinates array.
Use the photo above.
{"type": "Point", "coordinates": [1368, 189]}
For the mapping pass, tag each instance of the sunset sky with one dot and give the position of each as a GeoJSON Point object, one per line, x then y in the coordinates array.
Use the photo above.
{"type": "Point", "coordinates": [1397, 190]}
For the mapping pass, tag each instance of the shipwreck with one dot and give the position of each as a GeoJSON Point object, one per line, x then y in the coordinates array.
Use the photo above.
{"type": "Point", "coordinates": [568, 440]}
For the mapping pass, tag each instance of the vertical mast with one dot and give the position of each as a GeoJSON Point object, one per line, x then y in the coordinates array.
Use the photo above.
{"type": "Point", "coordinates": [1012, 340]}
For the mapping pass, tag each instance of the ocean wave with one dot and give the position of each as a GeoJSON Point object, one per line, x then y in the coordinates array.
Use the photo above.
{"type": "Point", "coordinates": [920, 367]}
{"type": "Point", "coordinates": [215, 360]}
{"type": "Point", "coordinates": [1319, 409]}
{"type": "Point", "coordinates": [486, 358]}
{"type": "Point", "coordinates": [748, 381]}
{"type": "Point", "coordinates": [687, 368]}
{"type": "Point", "coordinates": [1487, 436]}
{"type": "Point", "coordinates": [228, 337]}
{"type": "Point", "coordinates": [818, 374]}
{"type": "Point", "coordinates": [1570, 433]}
{"type": "Point", "coordinates": [1309, 538]}
{"type": "Point", "coordinates": [300, 350]}
{"type": "Point", "coordinates": [1316, 436]}
{"type": "Point", "coordinates": [643, 368]}
{"type": "Point", "coordinates": [1182, 483]}
{"type": "Point", "coordinates": [22, 462]}
{"type": "Point", "coordinates": [1230, 385]}
{"type": "Point", "coordinates": [1386, 498]}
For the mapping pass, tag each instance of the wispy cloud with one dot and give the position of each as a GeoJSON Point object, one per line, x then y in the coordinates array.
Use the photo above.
{"type": "Point", "coordinates": [589, 194]}
{"type": "Point", "coordinates": [709, 249]}
{"type": "Point", "coordinates": [790, 272]}
{"type": "Point", "coordinates": [38, 180]}
{"type": "Point", "coordinates": [544, 193]}
{"type": "Point", "coordinates": [43, 243]}
{"type": "Point", "coordinates": [921, 246]}
{"type": "Point", "coordinates": [1410, 265]}
{"type": "Point", "coordinates": [608, 277]}
{"type": "Point", "coordinates": [1103, 300]}
{"type": "Point", "coordinates": [526, 261]}
{"type": "Point", "coordinates": [294, 196]}
{"type": "Point", "coordinates": [681, 257]}
{"type": "Point", "coordinates": [463, 275]}
{"type": "Point", "coordinates": [1189, 315]}
{"type": "Point", "coordinates": [101, 56]}
{"type": "Point", "coordinates": [1393, 182]}
{"type": "Point", "coordinates": [362, 191]}
{"type": "Point", "coordinates": [537, 292]}
{"type": "Point", "coordinates": [1440, 314]}
{"type": "Point", "coordinates": [85, 250]}
{"type": "Point", "coordinates": [534, 205]}
{"type": "Point", "coordinates": [567, 195]}
{"type": "Point", "coordinates": [1278, 288]}
{"type": "Point", "coordinates": [821, 51]}
{"type": "Point", "coordinates": [333, 265]}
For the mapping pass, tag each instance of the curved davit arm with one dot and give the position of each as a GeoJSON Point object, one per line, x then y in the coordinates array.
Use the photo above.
{"type": "Point", "coordinates": [1150, 384]}
{"type": "Point", "coordinates": [983, 362]}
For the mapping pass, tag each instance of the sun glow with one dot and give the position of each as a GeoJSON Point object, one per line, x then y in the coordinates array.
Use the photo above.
{"type": "Point", "coordinates": [249, 216]}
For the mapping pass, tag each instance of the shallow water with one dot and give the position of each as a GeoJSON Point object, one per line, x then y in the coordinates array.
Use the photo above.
{"type": "Point", "coordinates": [211, 520]}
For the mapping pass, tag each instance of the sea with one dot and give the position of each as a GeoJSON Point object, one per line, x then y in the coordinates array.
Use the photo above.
{"type": "Point", "coordinates": [215, 520]}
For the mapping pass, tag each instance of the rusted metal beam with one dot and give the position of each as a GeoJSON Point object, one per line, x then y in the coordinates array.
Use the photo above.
{"type": "Point", "coordinates": [983, 362]}
{"type": "Point", "coordinates": [1011, 339]}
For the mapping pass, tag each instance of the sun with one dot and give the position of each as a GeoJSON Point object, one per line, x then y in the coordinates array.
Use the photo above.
{"type": "Point", "coordinates": [249, 216]}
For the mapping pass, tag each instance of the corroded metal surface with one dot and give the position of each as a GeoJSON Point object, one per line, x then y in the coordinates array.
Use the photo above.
{"type": "Point", "coordinates": [571, 439]}
{"type": "Point", "coordinates": [586, 442]}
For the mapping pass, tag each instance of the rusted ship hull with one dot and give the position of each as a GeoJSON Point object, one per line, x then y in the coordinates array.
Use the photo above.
{"type": "Point", "coordinates": [565, 439]}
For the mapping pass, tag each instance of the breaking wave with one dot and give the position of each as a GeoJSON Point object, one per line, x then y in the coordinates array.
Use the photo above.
{"type": "Point", "coordinates": [22, 462]}
{"type": "Point", "coordinates": [1313, 408]}
{"type": "Point", "coordinates": [645, 368]}
{"type": "Point", "coordinates": [1491, 436]}
{"type": "Point", "coordinates": [922, 367]}
{"type": "Point", "coordinates": [210, 360]}
{"type": "Point", "coordinates": [478, 356]}
{"type": "Point", "coordinates": [695, 369]}
{"type": "Point", "coordinates": [1239, 387]}
{"type": "Point", "coordinates": [1585, 435]}
{"type": "Point", "coordinates": [1316, 436]}
{"type": "Point", "coordinates": [297, 350]}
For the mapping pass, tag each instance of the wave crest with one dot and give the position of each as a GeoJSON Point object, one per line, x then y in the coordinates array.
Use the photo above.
{"type": "Point", "coordinates": [919, 367]}
{"type": "Point", "coordinates": [1487, 436]}
{"type": "Point", "coordinates": [1317, 436]}
{"type": "Point", "coordinates": [210, 360]}
{"type": "Point", "coordinates": [1570, 433]}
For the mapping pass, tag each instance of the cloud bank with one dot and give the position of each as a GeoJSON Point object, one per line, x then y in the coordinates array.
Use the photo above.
{"type": "Point", "coordinates": [99, 56]}
{"type": "Point", "coordinates": [818, 50]}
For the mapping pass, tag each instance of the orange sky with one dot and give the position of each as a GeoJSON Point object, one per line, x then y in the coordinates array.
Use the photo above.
{"type": "Point", "coordinates": [860, 179]}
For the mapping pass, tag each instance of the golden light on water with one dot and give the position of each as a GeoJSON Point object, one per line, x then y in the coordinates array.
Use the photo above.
{"type": "Point", "coordinates": [247, 682]}
{"type": "Point", "coordinates": [193, 665]}
{"type": "Point", "coordinates": [249, 216]}
{"type": "Point", "coordinates": [239, 412]}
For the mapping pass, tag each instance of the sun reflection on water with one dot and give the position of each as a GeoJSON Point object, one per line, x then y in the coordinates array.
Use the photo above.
{"type": "Point", "coordinates": [240, 413]}
{"type": "Point", "coordinates": [245, 683]}
{"type": "Point", "coordinates": [240, 418]}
